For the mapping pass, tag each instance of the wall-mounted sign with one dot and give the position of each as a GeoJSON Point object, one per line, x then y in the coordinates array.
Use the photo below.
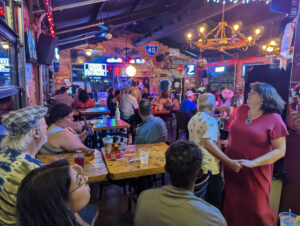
{"type": "Point", "coordinates": [117, 71]}
{"type": "Point", "coordinates": [179, 62]}
{"type": "Point", "coordinates": [122, 83]}
{"type": "Point", "coordinates": [174, 52]}
{"type": "Point", "coordinates": [219, 69]}
{"type": "Point", "coordinates": [4, 64]}
{"type": "Point", "coordinates": [95, 69]}
{"type": "Point", "coordinates": [191, 69]}
{"type": "Point", "coordinates": [151, 48]}
{"type": "Point", "coordinates": [114, 60]}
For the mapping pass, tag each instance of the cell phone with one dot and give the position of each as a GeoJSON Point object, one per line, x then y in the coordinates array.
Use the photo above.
{"type": "Point", "coordinates": [88, 129]}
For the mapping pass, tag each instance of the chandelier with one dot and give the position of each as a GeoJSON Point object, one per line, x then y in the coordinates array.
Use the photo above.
{"type": "Point", "coordinates": [223, 37]}
{"type": "Point", "coordinates": [271, 48]}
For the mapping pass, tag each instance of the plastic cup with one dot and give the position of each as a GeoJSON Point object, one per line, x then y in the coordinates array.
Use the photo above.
{"type": "Point", "coordinates": [144, 155]}
{"type": "Point", "coordinates": [104, 117]}
{"type": "Point", "coordinates": [288, 219]}
{"type": "Point", "coordinates": [79, 158]}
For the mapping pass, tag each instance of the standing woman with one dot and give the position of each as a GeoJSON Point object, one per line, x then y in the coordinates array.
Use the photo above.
{"type": "Point", "coordinates": [257, 137]}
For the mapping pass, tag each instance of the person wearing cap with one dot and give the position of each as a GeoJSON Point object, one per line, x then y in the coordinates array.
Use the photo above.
{"type": "Point", "coordinates": [27, 132]}
{"type": "Point", "coordinates": [188, 105]}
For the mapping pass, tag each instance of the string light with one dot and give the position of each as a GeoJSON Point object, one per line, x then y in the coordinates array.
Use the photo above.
{"type": "Point", "coordinates": [237, 1]}
{"type": "Point", "coordinates": [49, 14]}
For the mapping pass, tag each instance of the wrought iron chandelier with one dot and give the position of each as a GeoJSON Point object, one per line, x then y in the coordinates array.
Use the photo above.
{"type": "Point", "coordinates": [271, 48]}
{"type": "Point", "coordinates": [223, 37]}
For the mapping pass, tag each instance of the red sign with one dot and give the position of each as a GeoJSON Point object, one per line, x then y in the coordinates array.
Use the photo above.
{"type": "Point", "coordinates": [117, 71]}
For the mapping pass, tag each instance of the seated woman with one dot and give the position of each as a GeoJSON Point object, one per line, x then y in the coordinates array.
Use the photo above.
{"type": "Point", "coordinates": [60, 136]}
{"type": "Point", "coordinates": [84, 101]}
{"type": "Point", "coordinates": [58, 192]}
{"type": "Point", "coordinates": [164, 101]}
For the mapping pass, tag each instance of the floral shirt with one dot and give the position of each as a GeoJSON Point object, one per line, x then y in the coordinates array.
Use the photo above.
{"type": "Point", "coordinates": [203, 126]}
{"type": "Point", "coordinates": [14, 166]}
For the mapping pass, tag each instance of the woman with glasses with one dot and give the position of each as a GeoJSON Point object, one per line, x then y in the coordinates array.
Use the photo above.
{"type": "Point", "coordinates": [53, 194]}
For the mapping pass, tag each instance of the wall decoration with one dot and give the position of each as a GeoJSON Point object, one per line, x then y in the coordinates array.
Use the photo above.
{"type": "Point", "coordinates": [30, 47]}
{"type": "Point", "coordinates": [164, 84]}
{"type": "Point", "coordinates": [151, 48]}
{"type": "Point", "coordinates": [121, 83]}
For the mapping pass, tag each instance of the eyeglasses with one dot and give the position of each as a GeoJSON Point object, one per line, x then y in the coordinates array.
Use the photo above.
{"type": "Point", "coordinates": [80, 176]}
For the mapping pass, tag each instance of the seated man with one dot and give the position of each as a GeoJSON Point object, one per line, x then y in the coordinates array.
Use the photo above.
{"type": "Point", "coordinates": [176, 204]}
{"type": "Point", "coordinates": [129, 104]}
{"type": "Point", "coordinates": [63, 97]}
{"type": "Point", "coordinates": [188, 106]}
{"type": "Point", "coordinates": [27, 132]}
{"type": "Point", "coordinates": [152, 129]}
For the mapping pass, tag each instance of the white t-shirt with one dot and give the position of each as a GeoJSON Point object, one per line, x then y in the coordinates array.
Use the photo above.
{"type": "Point", "coordinates": [203, 126]}
{"type": "Point", "coordinates": [128, 104]}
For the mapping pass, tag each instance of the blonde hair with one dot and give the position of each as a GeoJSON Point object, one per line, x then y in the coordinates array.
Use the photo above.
{"type": "Point", "coordinates": [205, 100]}
{"type": "Point", "coordinates": [18, 143]}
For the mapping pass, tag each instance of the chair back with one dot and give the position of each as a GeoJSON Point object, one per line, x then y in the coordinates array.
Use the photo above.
{"type": "Point", "coordinates": [200, 188]}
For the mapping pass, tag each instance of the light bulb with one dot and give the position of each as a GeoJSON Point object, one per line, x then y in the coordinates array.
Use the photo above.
{"type": "Point", "coordinates": [264, 47]}
{"type": "Point", "coordinates": [270, 49]}
{"type": "Point", "coordinates": [273, 43]}
{"type": "Point", "coordinates": [236, 27]}
{"type": "Point", "coordinates": [189, 36]}
{"type": "Point", "coordinates": [250, 38]}
{"type": "Point", "coordinates": [257, 31]}
{"type": "Point", "coordinates": [202, 29]}
{"type": "Point", "coordinates": [5, 46]}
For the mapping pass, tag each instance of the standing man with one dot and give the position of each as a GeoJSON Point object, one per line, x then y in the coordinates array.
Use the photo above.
{"type": "Point", "coordinates": [188, 105]}
{"type": "Point", "coordinates": [27, 132]}
{"type": "Point", "coordinates": [203, 130]}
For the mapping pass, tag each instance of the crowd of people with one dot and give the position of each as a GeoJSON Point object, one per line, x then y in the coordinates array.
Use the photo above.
{"type": "Point", "coordinates": [32, 193]}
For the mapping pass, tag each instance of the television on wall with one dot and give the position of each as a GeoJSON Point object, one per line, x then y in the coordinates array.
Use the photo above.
{"type": "Point", "coordinates": [95, 70]}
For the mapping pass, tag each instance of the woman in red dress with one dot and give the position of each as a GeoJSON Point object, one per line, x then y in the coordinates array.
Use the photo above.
{"type": "Point", "coordinates": [257, 137]}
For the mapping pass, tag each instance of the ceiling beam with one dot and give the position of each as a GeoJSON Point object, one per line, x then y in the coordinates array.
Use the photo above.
{"type": "Point", "coordinates": [76, 40]}
{"type": "Point", "coordinates": [120, 19]}
{"type": "Point", "coordinates": [73, 5]}
{"type": "Point", "coordinates": [205, 13]}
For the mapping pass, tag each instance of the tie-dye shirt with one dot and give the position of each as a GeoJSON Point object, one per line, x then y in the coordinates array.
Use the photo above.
{"type": "Point", "coordinates": [14, 166]}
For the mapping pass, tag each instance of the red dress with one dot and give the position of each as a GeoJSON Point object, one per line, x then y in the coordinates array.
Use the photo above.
{"type": "Point", "coordinates": [88, 104]}
{"type": "Point", "coordinates": [247, 192]}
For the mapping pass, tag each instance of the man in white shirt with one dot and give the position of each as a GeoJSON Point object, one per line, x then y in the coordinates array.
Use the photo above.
{"type": "Point", "coordinates": [129, 104]}
{"type": "Point", "coordinates": [203, 130]}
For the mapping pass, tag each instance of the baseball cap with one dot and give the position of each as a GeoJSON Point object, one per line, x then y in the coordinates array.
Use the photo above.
{"type": "Point", "coordinates": [189, 93]}
{"type": "Point", "coordinates": [21, 121]}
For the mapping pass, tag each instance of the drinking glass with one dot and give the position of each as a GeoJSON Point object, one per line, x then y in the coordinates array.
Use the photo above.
{"type": "Point", "coordinates": [79, 158]}
{"type": "Point", "coordinates": [144, 155]}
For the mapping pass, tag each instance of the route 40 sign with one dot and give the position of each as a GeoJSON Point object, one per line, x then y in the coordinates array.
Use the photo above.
{"type": "Point", "coordinates": [151, 48]}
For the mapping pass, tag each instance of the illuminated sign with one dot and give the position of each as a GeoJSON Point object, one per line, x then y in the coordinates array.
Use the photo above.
{"type": "Point", "coordinates": [191, 69]}
{"type": "Point", "coordinates": [114, 60]}
{"type": "Point", "coordinates": [4, 64]}
{"type": "Point", "coordinates": [95, 69]}
{"type": "Point", "coordinates": [219, 69]}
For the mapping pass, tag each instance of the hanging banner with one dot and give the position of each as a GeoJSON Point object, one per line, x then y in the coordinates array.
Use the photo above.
{"type": "Point", "coordinates": [122, 83]}
{"type": "Point", "coordinates": [293, 118]}
{"type": "Point", "coordinates": [151, 48]}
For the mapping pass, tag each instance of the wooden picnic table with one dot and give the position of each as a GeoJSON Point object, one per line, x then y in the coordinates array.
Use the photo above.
{"type": "Point", "coordinates": [123, 169]}
{"type": "Point", "coordinates": [94, 166]}
{"type": "Point", "coordinates": [110, 124]}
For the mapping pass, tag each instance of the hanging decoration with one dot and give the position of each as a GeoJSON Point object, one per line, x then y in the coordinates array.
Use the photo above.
{"type": "Point", "coordinates": [271, 48]}
{"type": "Point", "coordinates": [49, 14]}
{"type": "Point", "coordinates": [223, 37]}
{"type": "Point", "coordinates": [238, 1]}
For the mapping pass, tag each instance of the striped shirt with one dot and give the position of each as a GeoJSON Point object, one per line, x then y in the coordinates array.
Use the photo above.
{"type": "Point", "coordinates": [14, 166]}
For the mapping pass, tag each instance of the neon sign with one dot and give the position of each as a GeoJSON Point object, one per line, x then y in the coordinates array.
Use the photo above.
{"type": "Point", "coordinates": [4, 64]}
{"type": "Point", "coordinates": [114, 60]}
{"type": "Point", "coordinates": [191, 69]}
{"type": "Point", "coordinates": [95, 69]}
